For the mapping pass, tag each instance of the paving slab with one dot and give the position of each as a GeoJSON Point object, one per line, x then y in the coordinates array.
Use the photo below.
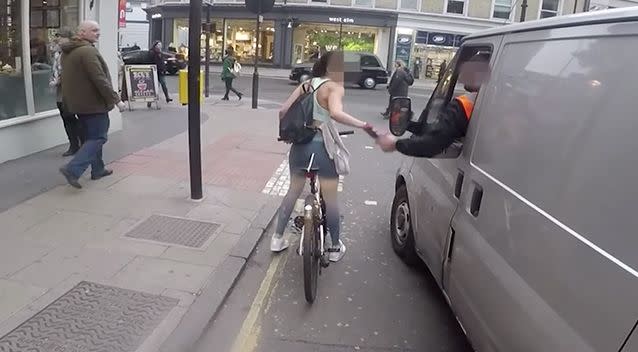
{"type": "Point", "coordinates": [63, 262]}
{"type": "Point", "coordinates": [16, 254]}
{"type": "Point", "coordinates": [154, 275]}
{"type": "Point", "coordinates": [16, 295]}
{"type": "Point", "coordinates": [212, 256]}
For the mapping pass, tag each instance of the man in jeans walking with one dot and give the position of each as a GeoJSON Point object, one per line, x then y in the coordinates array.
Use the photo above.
{"type": "Point", "coordinates": [87, 91]}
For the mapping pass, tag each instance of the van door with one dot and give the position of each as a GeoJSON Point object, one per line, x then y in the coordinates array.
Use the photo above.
{"type": "Point", "coordinates": [544, 256]}
{"type": "Point", "coordinates": [439, 181]}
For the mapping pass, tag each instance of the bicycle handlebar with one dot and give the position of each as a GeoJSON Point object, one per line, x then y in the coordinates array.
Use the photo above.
{"type": "Point", "coordinates": [342, 133]}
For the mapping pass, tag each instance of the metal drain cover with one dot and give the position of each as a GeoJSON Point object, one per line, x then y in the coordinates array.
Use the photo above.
{"type": "Point", "coordinates": [179, 231]}
{"type": "Point", "coordinates": [91, 317]}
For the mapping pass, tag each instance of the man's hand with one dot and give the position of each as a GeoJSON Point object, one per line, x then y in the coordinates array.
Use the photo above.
{"type": "Point", "coordinates": [387, 142]}
{"type": "Point", "coordinates": [121, 106]}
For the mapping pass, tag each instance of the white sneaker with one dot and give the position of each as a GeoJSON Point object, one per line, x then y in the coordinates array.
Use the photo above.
{"type": "Point", "coordinates": [278, 243]}
{"type": "Point", "coordinates": [335, 253]}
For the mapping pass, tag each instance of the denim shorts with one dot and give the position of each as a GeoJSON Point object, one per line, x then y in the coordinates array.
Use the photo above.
{"type": "Point", "coordinates": [300, 157]}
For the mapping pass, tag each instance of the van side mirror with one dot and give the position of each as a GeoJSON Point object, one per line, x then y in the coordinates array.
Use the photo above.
{"type": "Point", "coordinates": [400, 115]}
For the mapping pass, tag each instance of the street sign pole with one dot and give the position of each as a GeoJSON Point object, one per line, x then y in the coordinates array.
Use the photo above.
{"type": "Point", "coordinates": [207, 56]}
{"type": "Point", "coordinates": [256, 70]}
{"type": "Point", "coordinates": [194, 100]}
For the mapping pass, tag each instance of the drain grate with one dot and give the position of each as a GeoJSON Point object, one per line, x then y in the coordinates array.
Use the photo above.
{"type": "Point", "coordinates": [91, 317]}
{"type": "Point", "coordinates": [179, 231]}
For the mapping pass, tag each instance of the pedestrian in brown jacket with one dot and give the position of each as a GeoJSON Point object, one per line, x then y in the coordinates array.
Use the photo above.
{"type": "Point", "coordinates": [87, 91]}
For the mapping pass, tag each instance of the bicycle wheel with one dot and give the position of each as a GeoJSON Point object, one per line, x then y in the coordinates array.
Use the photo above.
{"type": "Point", "coordinates": [311, 252]}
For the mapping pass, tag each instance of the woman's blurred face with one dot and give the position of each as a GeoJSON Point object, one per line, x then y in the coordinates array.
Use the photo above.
{"type": "Point", "coordinates": [335, 67]}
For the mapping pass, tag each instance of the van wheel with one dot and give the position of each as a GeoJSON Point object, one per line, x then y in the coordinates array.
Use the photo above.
{"type": "Point", "coordinates": [401, 229]}
{"type": "Point", "coordinates": [369, 83]}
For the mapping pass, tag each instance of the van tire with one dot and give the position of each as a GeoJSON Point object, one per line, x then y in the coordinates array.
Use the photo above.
{"type": "Point", "coordinates": [401, 229]}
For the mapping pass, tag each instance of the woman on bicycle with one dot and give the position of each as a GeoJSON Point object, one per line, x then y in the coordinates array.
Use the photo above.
{"type": "Point", "coordinates": [328, 104]}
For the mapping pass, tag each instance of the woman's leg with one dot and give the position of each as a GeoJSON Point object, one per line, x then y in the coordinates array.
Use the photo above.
{"type": "Point", "coordinates": [297, 182]}
{"type": "Point", "coordinates": [235, 90]}
{"type": "Point", "coordinates": [329, 192]}
{"type": "Point", "coordinates": [229, 84]}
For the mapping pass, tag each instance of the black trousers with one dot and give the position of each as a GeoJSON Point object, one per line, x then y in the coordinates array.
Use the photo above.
{"type": "Point", "coordinates": [229, 88]}
{"type": "Point", "coordinates": [162, 82]}
{"type": "Point", "coordinates": [73, 127]}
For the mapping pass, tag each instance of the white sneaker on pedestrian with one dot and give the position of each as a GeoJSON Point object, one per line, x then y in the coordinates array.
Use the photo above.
{"type": "Point", "coordinates": [335, 253]}
{"type": "Point", "coordinates": [278, 243]}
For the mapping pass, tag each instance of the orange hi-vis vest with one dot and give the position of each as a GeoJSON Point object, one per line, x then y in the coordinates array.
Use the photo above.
{"type": "Point", "coordinates": [467, 103]}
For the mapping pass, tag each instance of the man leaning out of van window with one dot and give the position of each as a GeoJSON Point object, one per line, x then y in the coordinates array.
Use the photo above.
{"type": "Point", "coordinates": [452, 122]}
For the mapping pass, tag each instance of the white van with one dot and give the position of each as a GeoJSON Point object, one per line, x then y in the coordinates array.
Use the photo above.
{"type": "Point", "coordinates": [530, 224]}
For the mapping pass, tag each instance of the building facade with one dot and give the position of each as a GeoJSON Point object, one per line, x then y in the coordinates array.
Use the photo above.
{"type": "Point", "coordinates": [29, 120]}
{"type": "Point", "coordinates": [135, 32]}
{"type": "Point", "coordinates": [421, 32]}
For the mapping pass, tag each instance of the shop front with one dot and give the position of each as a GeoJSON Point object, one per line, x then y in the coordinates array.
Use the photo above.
{"type": "Point", "coordinates": [289, 34]}
{"type": "Point", "coordinates": [426, 41]}
{"type": "Point", "coordinates": [29, 119]}
{"type": "Point", "coordinates": [433, 50]}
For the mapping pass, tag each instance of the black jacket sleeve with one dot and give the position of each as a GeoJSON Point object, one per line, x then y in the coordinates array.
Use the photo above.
{"type": "Point", "coordinates": [434, 138]}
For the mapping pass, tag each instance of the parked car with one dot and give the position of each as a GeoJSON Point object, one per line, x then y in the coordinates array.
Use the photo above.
{"type": "Point", "coordinates": [174, 61]}
{"type": "Point", "coordinates": [528, 225]}
{"type": "Point", "coordinates": [363, 69]}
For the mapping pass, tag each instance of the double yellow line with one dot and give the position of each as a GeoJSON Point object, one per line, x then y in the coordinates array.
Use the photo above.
{"type": "Point", "coordinates": [248, 337]}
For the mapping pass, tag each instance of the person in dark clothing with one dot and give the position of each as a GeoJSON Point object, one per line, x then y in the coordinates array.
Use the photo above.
{"type": "Point", "coordinates": [158, 60]}
{"type": "Point", "coordinates": [72, 125]}
{"type": "Point", "coordinates": [228, 74]}
{"type": "Point", "coordinates": [442, 69]}
{"type": "Point", "coordinates": [452, 122]}
{"type": "Point", "coordinates": [399, 84]}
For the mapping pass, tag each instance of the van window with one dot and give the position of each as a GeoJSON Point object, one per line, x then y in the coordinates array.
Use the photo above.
{"type": "Point", "coordinates": [445, 90]}
{"type": "Point", "coordinates": [558, 125]}
{"type": "Point", "coordinates": [369, 61]}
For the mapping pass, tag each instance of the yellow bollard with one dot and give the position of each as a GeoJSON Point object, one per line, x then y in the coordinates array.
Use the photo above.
{"type": "Point", "coordinates": [183, 86]}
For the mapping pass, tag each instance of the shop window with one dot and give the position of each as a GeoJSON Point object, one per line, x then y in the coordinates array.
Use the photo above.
{"type": "Point", "coordinates": [13, 100]}
{"type": "Point", "coordinates": [456, 7]}
{"type": "Point", "coordinates": [241, 36]}
{"type": "Point", "coordinates": [549, 8]}
{"type": "Point", "coordinates": [363, 3]}
{"type": "Point", "coordinates": [502, 9]}
{"type": "Point", "coordinates": [409, 4]}
{"type": "Point", "coordinates": [311, 40]}
{"type": "Point", "coordinates": [180, 39]}
{"type": "Point", "coordinates": [47, 17]}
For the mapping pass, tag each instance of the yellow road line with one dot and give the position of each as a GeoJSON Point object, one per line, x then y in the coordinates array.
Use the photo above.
{"type": "Point", "coordinates": [249, 334]}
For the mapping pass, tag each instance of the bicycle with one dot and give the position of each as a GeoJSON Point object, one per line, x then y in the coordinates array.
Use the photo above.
{"type": "Point", "coordinates": [312, 244]}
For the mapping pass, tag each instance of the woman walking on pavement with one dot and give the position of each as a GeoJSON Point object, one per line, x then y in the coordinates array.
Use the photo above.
{"type": "Point", "coordinates": [328, 107]}
{"type": "Point", "coordinates": [228, 74]}
{"type": "Point", "coordinates": [72, 126]}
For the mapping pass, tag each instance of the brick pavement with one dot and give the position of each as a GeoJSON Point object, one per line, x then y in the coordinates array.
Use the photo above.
{"type": "Point", "coordinates": [66, 239]}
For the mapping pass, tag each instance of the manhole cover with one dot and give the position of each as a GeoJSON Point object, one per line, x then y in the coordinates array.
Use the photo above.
{"type": "Point", "coordinates": [183, 232]}
{"type": "Point", "coordinates": [91, 317]}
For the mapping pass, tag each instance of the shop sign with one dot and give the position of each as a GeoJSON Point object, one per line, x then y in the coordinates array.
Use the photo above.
{"type": "Point", "coordinates": [421, 37]}
{"type": "Point", "coordinates": [141, 82]}
{"type": "Point", "coordinates": [121, 10]}
{"type": "Point", "coordinates": [341, 19]}
{"type": "Point", "coordinates": [404, 48]}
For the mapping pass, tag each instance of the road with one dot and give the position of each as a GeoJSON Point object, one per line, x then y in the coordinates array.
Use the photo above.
{"type": "Point", "coordinates": [370, 301]}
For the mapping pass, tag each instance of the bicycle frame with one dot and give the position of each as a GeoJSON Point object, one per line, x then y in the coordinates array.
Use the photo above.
{"type": "Point", "coordinates": [315, 190]}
